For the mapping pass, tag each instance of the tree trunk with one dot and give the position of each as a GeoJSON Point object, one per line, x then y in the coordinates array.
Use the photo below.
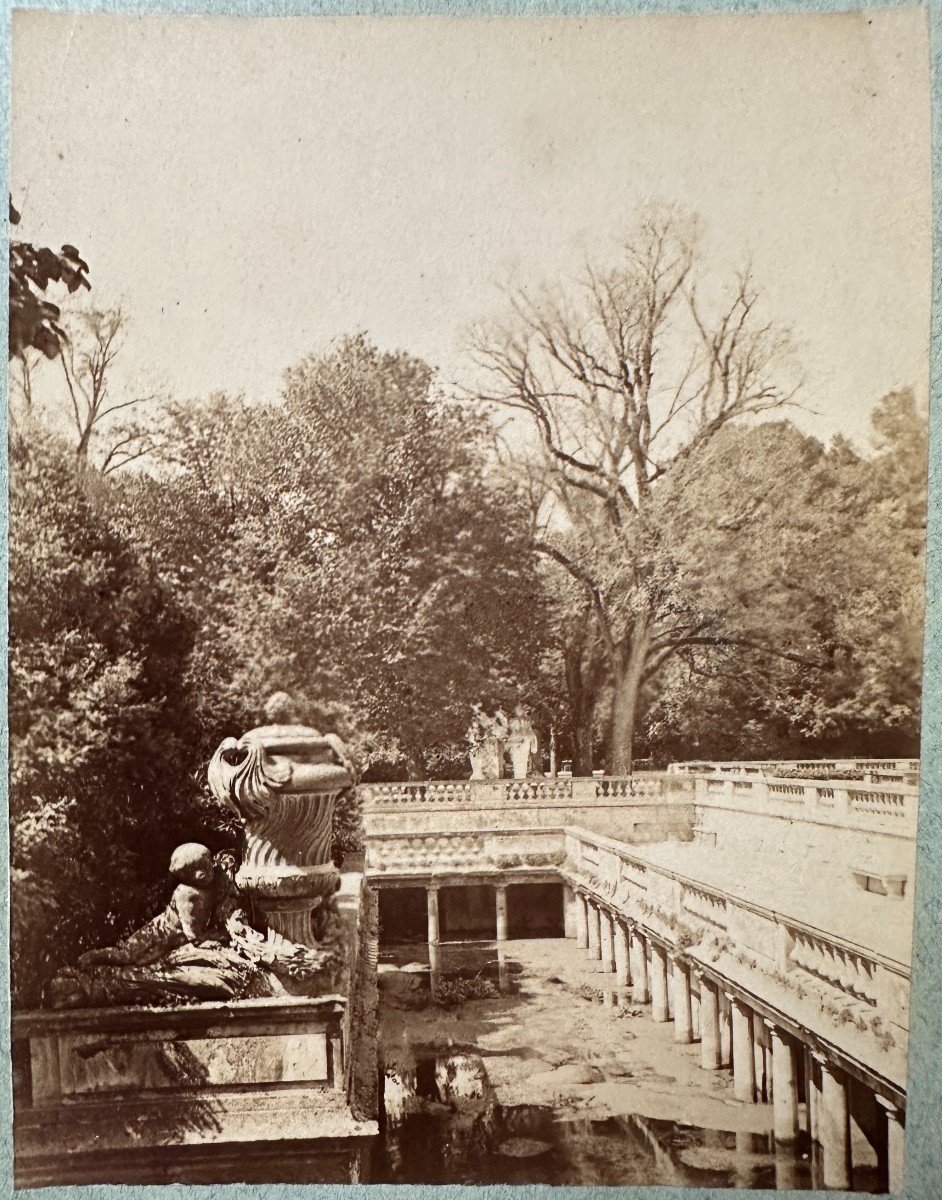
{"type": "Point", "coordinates": [81, 450]}
{"type": "Point", "coordinates": [585, 671]}
{"type": "Point", "coordinates": [627, 674]}
{"type": "Point", "coordinates": [581, 735]}
{"type": "Point", "coordinates": [415, 766]}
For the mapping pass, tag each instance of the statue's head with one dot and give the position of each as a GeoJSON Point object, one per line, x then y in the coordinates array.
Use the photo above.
{"type": "Point", "coordinates": [192, 863]}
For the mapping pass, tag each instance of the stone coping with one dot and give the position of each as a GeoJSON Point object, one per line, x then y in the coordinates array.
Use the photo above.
{"type": "Point", "coordinates": [130, 1018]}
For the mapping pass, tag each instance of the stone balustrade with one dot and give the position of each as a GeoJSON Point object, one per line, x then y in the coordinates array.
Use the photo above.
{"type": "Point", "coordinates": [636, 809]}
{"type": "Point", "coordinates": [847, 989]}
{"type": "Point", "coordinates": [889, 808]}
{"type": "Point", "coordinates": [900, 769]}
{"type": "Point", "coordinates": [614, 804]}
{"type": "Point", "coordinates": [803, 1019]}
{"type": "Point", "coordinates": [659, 785]}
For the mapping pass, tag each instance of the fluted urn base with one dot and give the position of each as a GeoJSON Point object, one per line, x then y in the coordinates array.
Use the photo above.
{"type": "Point", "coordinates": [286, 870]}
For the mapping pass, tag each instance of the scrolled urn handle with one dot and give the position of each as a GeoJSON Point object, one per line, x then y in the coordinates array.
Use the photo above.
{"type": "Point", "coordinates": [242, 776]}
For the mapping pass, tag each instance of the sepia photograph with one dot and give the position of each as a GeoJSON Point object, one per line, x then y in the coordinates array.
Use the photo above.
{"type": "Point", "coordinates": [467, 550]}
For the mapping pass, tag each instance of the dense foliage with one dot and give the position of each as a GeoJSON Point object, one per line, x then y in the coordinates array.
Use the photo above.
{"type": "Point", "coordinates": [345, 544]}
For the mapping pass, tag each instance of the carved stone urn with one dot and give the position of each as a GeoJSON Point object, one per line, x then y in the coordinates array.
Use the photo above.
{"type": "Point", "coordinates": [283, 781]}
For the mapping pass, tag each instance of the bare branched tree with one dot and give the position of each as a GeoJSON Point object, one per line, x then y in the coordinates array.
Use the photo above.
{"type": "Point", "coordinates": [625, 379]}
{"type": "Point", "coordinates": [87, 358]}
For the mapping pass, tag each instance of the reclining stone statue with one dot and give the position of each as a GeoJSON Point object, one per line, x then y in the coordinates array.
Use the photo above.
{"type": "Point", "coordinates": [272, 929]}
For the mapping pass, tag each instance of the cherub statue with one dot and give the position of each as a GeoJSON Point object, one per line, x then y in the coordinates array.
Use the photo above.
{"type": "Point", "coordinates": [188, 918]}
{"type": "Point", "coordinates": [202, 946]}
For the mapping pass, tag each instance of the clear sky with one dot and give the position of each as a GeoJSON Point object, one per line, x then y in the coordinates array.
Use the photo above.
{"type": "Point", "coordinates": [252, 189]}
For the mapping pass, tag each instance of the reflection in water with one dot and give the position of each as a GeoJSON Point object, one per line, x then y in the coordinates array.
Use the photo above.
{"type": "Point", "coordinates": [452, 1130]}
{"type": "Point", "coordinates": [442, 1124]}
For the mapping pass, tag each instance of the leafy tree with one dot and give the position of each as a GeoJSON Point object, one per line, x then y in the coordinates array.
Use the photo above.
{"type": "Point", "coordinates": [100, 785]}
{"type": "Point", "coordinates": [816, 549]}
{"type": "Point", "coordinates": [364, 557]}
{"type": "Point", "coordinates": [34, 320]}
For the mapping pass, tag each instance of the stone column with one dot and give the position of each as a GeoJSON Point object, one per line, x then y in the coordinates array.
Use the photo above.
{"type": "Point", "coordinates": [784, 1085]}
{"type": "Point", "coordinates": [786, 1168]}
{"type": "Point", "coordinates": [763, 1084]}
{"type": "Point", "coordinates": [500, 906]}
{"type": "Point", "coordinates": [569, 912]}
{"type": "Point", "coordinates": [640, 993]}
{"type": "Point", "coordinates": [622, 962]}
{"type": "Point", "coordinates": [659, 1004]}
{"type": "Point", "coordinates": [813, 1089]}
{"type": "Point", "coordinates": [434, 964]}
{"type": "Point", "coordinates": [595, 939]}
{"type": "Point", "coordinates": [744, 1063]}
{"type": "Point", "coordinates": [582, 922]}
{"type": "Point", "coordinates": [895, 1146]}
{"type": "Point", "coordinates": [710, 1057]}
{"type": "Point", "coordinates": [726, 1030]}
{"type": "Point", "coordinates": [834, 1127]}
{"type": "Point", "coordinates": [683, 1014]}
{"type": "Point", "coordinates": [606, 949]}
{"type": "Point", "coordinates": [431, 896]}
{"type": "Point", "coordinates": [695, 1012]}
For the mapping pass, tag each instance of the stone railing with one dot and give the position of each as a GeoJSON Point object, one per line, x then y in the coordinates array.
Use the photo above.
{"type": "Point", "coordinates": [847, 970]}
{"type": "Point", "coordinates": [849, 992]}
{"type": "Point", "coordinates": [902, 769]}
{"type": "Point", "coordinates": [540, 790]}
{"type": "Point", "coordinates": [636, 809]}
{"type": "Point", "coordinates": [886, 808]}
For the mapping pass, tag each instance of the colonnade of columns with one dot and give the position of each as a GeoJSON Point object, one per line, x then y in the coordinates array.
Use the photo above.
{"type": "Point", "coordinates": [768, 1064]}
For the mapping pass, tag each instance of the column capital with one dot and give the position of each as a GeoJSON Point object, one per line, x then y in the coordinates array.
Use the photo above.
{"type": "Point", "coordinates": [894, 1111]}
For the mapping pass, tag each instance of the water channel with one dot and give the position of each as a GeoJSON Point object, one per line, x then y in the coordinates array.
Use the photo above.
{"type": "Point", "coordinates": [521, 1071]}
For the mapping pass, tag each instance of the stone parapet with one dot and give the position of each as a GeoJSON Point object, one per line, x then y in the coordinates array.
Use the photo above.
{"type": "Point", "coordinates": [847, 996]}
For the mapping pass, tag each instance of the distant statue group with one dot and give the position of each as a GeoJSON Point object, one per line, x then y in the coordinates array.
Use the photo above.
{"type": "Point", "coordinates": [493, 740]}
{"type": "Point", "coordinates": [271, 928]}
